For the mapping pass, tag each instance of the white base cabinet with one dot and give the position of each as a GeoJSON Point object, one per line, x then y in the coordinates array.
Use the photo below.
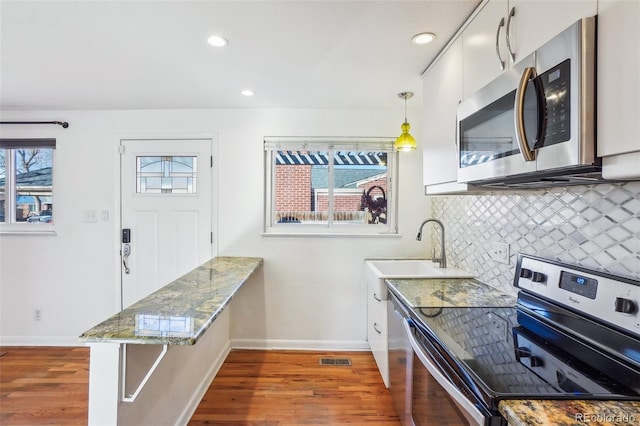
{"type": "Point", "coordinates": [377, 331]}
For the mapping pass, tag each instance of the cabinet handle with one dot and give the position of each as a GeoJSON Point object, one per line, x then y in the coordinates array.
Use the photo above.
{"type": "Point", "coordinates": [500, 25]}
{"type": "Point", "coordinates": [375, 327]}
{"type": "Point", "coordinates": [512, 13]}
{"type": "Point", "coordinates": [375, 296]}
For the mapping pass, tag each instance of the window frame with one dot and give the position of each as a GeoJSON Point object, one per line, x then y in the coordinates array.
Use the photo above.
{"type": "Point", "coordinates": [10, 146]}
{"type": "Point", "coordinates": [330, 145]}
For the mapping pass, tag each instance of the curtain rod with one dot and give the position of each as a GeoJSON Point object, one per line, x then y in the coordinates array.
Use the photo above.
{"type": "Point", "coordinates": [64, 124]}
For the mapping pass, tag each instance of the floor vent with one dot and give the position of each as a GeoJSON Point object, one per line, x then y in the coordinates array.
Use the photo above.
{"type": "Point", "coordinates": [335, 361]}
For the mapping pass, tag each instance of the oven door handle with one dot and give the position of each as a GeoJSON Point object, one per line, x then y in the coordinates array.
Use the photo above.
{"type": "Point", "coordinates": [472, 414]}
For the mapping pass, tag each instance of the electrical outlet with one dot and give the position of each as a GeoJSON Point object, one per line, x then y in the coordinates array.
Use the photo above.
{"type": "Point", "coordinates": [37, 314]}
{"type": "Point", "coordinates": [499, 252]}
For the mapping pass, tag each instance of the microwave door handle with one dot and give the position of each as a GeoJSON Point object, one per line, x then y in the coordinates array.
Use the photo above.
{"type": "Point", "coordinates": [500, 25]}
{"type": "Point", "coordinates": [521, 135]}
{"type": "Point", "coordinates": [456, 139]}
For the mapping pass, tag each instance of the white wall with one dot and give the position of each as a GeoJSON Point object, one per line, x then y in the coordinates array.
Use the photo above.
{"type": "Point", "coordinates": [314, 290]}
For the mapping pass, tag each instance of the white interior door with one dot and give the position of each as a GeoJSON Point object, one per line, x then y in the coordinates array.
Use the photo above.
{"type": "Point", "coordinates": [166, 190]}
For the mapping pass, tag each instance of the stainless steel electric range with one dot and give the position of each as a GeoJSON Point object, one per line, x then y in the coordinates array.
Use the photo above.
{"type": "Point", "coordinates": [574, 334]}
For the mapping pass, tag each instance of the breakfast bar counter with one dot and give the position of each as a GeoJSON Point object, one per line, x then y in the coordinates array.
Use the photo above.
{"type": "Point", "coordinates": [180, 312]}
{"type": "Point", "coordinates": [152, 362]}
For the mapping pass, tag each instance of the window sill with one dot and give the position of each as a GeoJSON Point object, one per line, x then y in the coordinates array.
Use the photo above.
{"type": "Point", "coordinates": [29, 230]}
{"type": "Point", "coordinates": [329, 235]}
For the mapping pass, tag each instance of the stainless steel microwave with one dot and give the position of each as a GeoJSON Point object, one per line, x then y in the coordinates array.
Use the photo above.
{"type": "Point", "coordinates": [535, 124]}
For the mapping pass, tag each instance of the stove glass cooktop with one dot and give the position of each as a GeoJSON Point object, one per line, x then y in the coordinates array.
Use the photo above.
{"type": "Point", "coordinates": [507, 360]}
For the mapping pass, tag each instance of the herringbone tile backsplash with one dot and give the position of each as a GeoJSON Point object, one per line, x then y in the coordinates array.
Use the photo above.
{"type": "Point", "coordinates": [594, 226]}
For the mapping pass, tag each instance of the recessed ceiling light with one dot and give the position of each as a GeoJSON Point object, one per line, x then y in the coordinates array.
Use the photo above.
{"type": "Point", "coordinates": [247, 92]}
{"type": "Point", "coordinates": [423, 38]}
{"type": "Point", "coordinates": [217, 41]}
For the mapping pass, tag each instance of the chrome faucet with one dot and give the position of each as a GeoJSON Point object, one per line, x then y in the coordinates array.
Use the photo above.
{"type": "Point", "coordinates": [443, 257]}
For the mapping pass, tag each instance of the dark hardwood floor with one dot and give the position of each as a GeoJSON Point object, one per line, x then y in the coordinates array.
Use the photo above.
{"type": "Point", "coordinates": [49, 385]}
{"type": "Point", "coordinates": [292, 388]}
{"type": "Point", "coordinates": [44, 386]}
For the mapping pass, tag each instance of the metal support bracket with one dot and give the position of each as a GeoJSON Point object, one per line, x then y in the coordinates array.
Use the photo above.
{"type": "Point", "coordinates": [143, 382]}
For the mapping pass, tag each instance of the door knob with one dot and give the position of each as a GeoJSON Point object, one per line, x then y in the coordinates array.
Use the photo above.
{"type": "Point", "coordinates": [126, 252]}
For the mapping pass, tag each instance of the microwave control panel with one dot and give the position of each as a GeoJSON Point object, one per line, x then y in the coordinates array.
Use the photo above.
{"type": "Point", "coordinates": [556, 84]}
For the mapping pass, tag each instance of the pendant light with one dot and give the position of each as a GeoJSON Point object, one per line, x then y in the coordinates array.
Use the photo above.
{"type": "Point", "coordinates": [405, 142]}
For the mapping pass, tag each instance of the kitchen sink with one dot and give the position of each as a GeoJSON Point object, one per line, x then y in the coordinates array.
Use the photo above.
{"type": "Point", "coordinates": [413, 268]}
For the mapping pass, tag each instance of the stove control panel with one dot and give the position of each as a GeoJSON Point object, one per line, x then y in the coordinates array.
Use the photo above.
{"type": "Point", "coordinates": [603, 296]}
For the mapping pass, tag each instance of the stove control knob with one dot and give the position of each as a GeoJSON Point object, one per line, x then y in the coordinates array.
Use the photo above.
{"type": "Point", "coordinates": [625, 306]}
{"type": "Point", "coordinates": [526, 273]}
{"type": "Point", "coordinates": [538, 277]}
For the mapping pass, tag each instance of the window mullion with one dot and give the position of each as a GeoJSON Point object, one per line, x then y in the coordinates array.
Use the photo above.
{"type": "Point", "coordinates": [10, 186]}
{"type": "Point", "coordinates": [270, 171]}
{"type": "Point", "coordinates": [330, 184]}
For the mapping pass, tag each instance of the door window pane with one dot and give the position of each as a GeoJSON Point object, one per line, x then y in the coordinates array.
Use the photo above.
{"type": "Point", "coordinates": [166, 174]}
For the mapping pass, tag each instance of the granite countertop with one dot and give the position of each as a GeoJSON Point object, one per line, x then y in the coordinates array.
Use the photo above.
{"type": "Point", "coordinates": [180, 312]}
{"type": "Point", "coordinates": [448, 292]}
{"type": "Point", "coordinates": [570, 413]}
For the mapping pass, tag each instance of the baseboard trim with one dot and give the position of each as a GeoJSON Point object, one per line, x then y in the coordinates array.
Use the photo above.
{"type": "Point", "coordinates": [310, 345]}
{"type": "Point", "coordinates": [264, 344]}
{"type": "Point", "coordinates": [41, 341]}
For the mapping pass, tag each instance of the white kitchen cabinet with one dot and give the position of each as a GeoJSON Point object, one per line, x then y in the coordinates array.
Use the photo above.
{"type": "Point", "coordinates": [377, 322]}
{"type": "Point", "coordinates": [618, 85]}
{"type": "Point", "coordinates": [535, 22]}
{"type": "Point", "coordinates": [480, 59]}
{"type": "Point", "coordinates": [518, 27]}
{"type": "Point", "coordinates": [471, 61]}
{"type": "Point", "coordinates": [442, 91]}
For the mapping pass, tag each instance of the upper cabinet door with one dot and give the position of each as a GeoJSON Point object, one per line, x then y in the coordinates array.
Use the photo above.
{"type": "Point", "coordinates": [618, 83]}
{"type": "Point", "coordinates": [504, 32]}
{"type": "Point", "coordinates": [534, 22]}
{"type": "Point", "coordinates": [441, 91]}
{"type": "Point", "coordinates": [481, 58]}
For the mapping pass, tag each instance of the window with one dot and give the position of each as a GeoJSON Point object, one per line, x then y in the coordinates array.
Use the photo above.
{"type": "Point", "coordinates": [26, 181]}
{"type": "Point", "coordinates": [330, 186]}
{"type": "Point", "coordinates": [166, 175]}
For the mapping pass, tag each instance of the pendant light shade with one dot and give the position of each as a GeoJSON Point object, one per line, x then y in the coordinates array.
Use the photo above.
{"type": "Point", "coordinates": [405, 142]}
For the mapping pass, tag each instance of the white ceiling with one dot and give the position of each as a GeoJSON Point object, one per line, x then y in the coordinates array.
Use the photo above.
{"type": "Point", "coordinates": [153, 54]}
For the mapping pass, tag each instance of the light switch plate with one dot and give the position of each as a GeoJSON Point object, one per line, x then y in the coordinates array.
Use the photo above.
{"type": "Point", "coordinates": [91, 216]}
